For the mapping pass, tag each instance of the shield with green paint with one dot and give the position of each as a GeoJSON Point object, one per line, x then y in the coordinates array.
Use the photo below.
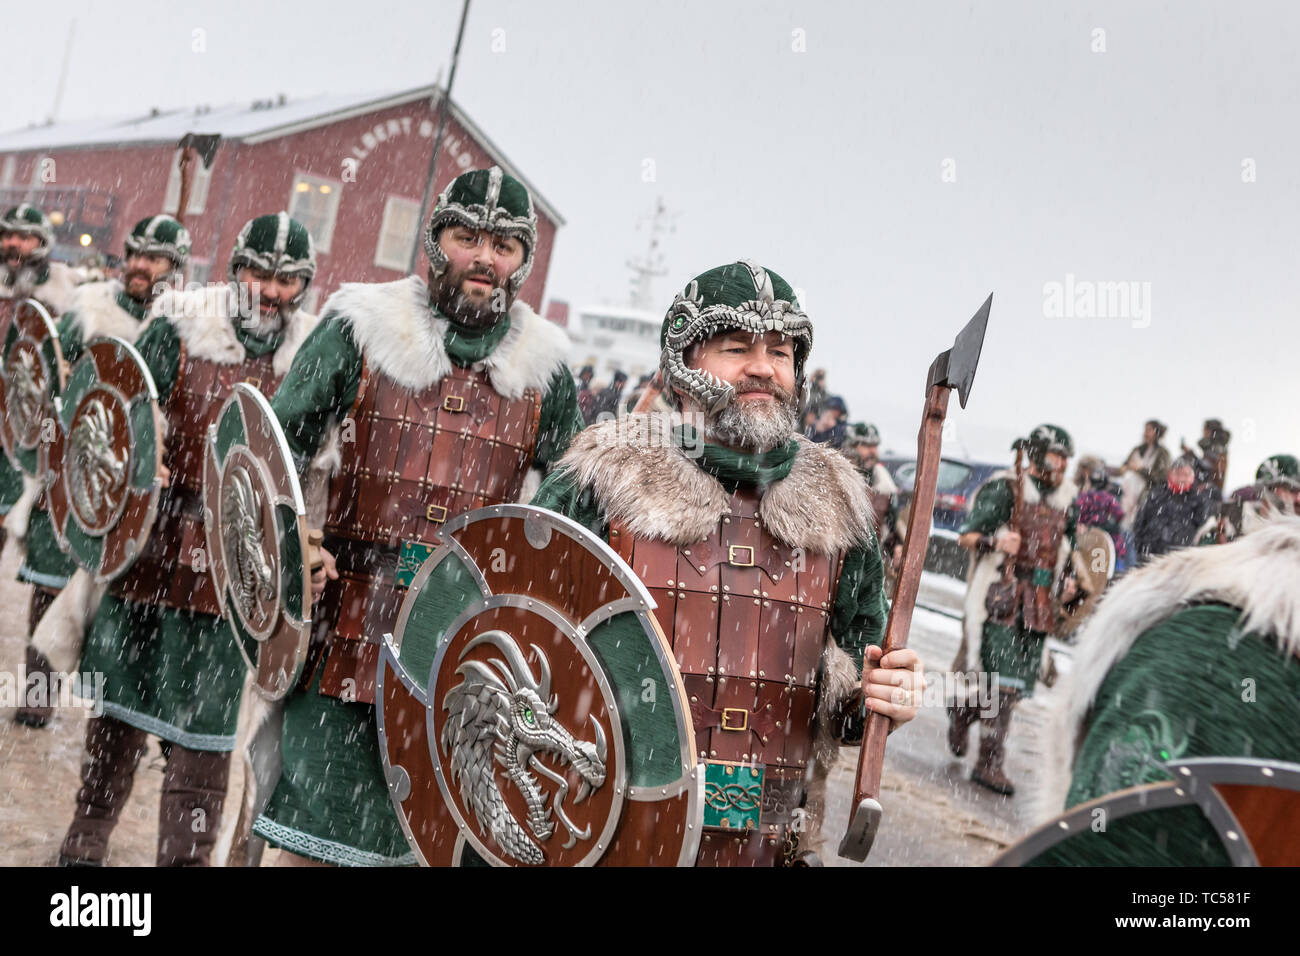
{"type": "Point", "coordinates": [102, 466]}
{"type": "Point", "coordinates": [255, 521]}
{"type": "Point", "coordinates": [32, 365]}
{"type": "Point", "coordinates": [530, 710]}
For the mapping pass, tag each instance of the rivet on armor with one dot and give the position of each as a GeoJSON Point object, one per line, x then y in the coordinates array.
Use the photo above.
{"type": "Point", "coordinates": [713, 587]}
{"type": "Point", "coordinates": [757, 601]}
{"type": "Point", "coordinates": [753, 684]}
{"type": "Point", "coordinates": [729, 771]}
{"type": "Point", "coordinates": [726, 520]}
{"type": "Point", "coordinates": [726, 587]}
{"type": "Point", "coordinates": [710, 670]}
{"type": "Point", "coordinates": [671, 582]}
{"type": "Point", "coordinates": [687, 552]}
{"type": "Point", "coordinates": [767, 604]}
{"type": "Point", "coordinates": [703, 569]}
{"type": "Point", "coordinates": [714, 599]}
{"type": "Point", "coordinates": [681, 594]}
{"type": "Point", "coordinates": [713, 753]}
{"type": "Point", "coordinates": [769, 706]}
{"type": "Point", "coordinates": [756, 592]}
{"type": "Point", "coordinates": [761, 674]}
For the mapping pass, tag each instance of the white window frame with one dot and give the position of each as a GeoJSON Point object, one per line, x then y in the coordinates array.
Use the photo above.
{"type": "Point", "coordinates": [199, 185]}
{"type": "Point", "coordinates": [10, 170]}
{"type": "Point", "coordinates": [322, 237]}
{"type": "Point", "coordinates": [388, 262]}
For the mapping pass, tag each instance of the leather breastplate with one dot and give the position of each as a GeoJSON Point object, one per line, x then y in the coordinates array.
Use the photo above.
{"type": "Point", "coordinates": [416, 460]}
{"type": "Point", "coordinates": [748, 618]}
{"type": "Point", "coordinates": [172, 569]}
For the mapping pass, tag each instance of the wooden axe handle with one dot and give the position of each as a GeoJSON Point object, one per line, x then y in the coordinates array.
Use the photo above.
{"type": "Point", "coordinates": [314, 539]}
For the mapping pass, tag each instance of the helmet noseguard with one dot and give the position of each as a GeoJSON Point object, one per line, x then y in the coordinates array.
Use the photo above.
{"type": "Point", "coordinates": [160, 235]}
{"type": "Point", "coordinates": [27, 220]}
{"type": "Point", "coordinates": [489, 200]}
{"type": "Point", "coordinates": [740, 295]}
{"type": "Point", "coordinates": [275, 243]}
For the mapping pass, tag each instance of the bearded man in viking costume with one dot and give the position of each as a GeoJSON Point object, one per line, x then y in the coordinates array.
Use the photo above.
{"type": "Point", "coordinates": [170, 667]}
{"type": "Point", "coordinates": [1030, 520]}
{"type": "Point", "coordinates": [157, 252]}
{"type": "Point", "coordinates": [427, 400]}
{"type": "Point", "coordinates": [26, 272]}
{"type": "Point", "coordinates": [1194, 657]}
{"type": "Point", "coordinates": [757, 546]}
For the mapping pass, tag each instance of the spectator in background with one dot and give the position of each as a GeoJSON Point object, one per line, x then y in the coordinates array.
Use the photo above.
{"type": "Point", "coordinates": [585, 395]}
{"type": "Point", "coordinates": [817, 391]}
{"type": "Point", "coordinates": [1212, 465]}
{"type": "Point", "coordinates": [1098, 508]}
{"type": "Point", "coordinates": [1144, 469]}
{"type": "Point", "coordinates": [606, 402]}
{"type": "Point", "coordinates": [635, 397]}
{"type": "Point", "coordinates": [1174, 513]}
{"type": "Point", "coordinates": [831, 423]}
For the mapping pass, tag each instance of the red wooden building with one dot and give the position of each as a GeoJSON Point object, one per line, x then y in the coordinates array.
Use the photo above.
{"type": "Point", "coordinates": [351, 168]}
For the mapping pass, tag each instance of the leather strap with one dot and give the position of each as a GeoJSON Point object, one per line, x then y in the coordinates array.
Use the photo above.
{"type": "Point", "coordinates": [762, 725]}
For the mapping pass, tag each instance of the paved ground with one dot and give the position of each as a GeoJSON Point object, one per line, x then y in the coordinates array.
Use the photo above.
{"type": "Point", "coordinates": [933, 814]}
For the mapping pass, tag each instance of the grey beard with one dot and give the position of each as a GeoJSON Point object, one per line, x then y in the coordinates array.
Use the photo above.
{"type": "Point", "coordinates": [751, 426]}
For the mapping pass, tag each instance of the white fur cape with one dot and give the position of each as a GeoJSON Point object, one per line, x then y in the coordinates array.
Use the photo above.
{"type": "Point", "coordinates": [55, 293]}
{"type": "Point", "coordinates": [204, 319]}
{"type": "Point", "coordinates": [95, 312]}
{"type": "Point", "coordinates": [985, 569]}
{"type": "Point", "coordinates": [1257, 573]}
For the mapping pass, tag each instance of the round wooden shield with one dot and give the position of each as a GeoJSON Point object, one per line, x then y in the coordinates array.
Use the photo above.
{"type": "Point", "coordinates": [101, 470]}
{"type": "Point", "coordinates": [255, 521]}
{"type": "Point", "coordinates": [530, 710]}
{"type": "Point", "coordinates": [1253, 805]}
{"type": "Point", "coordinates": [32, 364]}
{"type": "Point", "coordinates": [1093, 559]}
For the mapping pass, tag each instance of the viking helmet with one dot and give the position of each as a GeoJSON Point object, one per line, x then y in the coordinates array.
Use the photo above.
{"type": "Point", "coordinates": [490, 200]}
{"type": "Point", "coordinates": [740, 295]}
{"type": "Point", "coordinates": [1279, 470]}
{"type": "Point", "coordinates": [27, 220]}
{"type": "Point", "coordinates": [276, 243]}
{"type": "Point", "coordinates": [1044, 439]}
{"type": "Point", "coordinates": [160, 235]}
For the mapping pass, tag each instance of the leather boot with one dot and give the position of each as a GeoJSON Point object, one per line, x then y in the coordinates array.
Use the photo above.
{"type": "Point", "coordinates": [189, 811]}
{"type": "Point", "coordinates": [34, 713]}
{"type": "Point", "coordinates": [960, 719]}
{"type": "Point", "coordinates": [113, 749]}
{"type": "Point", "coordinates": [993, 737]}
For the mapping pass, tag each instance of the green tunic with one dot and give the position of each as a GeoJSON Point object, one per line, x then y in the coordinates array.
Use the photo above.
{"type": "Point", "coordinates": [1012, 652]}
{"type": "Point", "coordinates": [331, 803]}
{"type": "Point", "coordinates": [45, 563]}
{"type": "Point", "coordinates": [1192, 686]}
{"type": "Point", "coordinates": [172, 672]}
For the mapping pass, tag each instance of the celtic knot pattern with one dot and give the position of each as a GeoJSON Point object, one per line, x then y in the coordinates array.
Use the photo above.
{"type": "Point", "coordinates": [733, 796]}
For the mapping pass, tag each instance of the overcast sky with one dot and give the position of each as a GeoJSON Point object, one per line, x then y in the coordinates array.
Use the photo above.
{"type": "Point", "coordinates": [896, 161]}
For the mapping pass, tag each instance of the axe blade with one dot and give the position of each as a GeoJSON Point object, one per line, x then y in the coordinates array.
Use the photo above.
{"type": "Point", "coordinates": [964, 356]}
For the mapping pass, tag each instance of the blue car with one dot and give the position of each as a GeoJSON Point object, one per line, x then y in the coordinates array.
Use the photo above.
{"type": "Point", "coordinates": [956, 487]}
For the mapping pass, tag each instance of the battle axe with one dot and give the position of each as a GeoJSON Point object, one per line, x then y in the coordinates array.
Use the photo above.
{"type": "Point", "coordinates": [954, 368]}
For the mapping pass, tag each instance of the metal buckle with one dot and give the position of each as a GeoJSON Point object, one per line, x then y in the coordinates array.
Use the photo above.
{"type": "Point", "coordinates": [447, 403]}
{"type": "Point", "coordinates": [727, 713]}
{"type": "Point", "coordinates": [436, 513]}
{"type": "Point", "coordinates": [254, 381]}
{"type": "Point", "coordinates": [731, 555]}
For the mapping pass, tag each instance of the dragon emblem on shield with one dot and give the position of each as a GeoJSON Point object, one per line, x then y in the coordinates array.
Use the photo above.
{"type": "Point", "coordinates": [251, 574]}
{"type": "Point", "coordinates": [502, 713]}
{"type": "Point", "coordinates": [23, 393]}
{"type": "Point", "coordinates": [97, 472]}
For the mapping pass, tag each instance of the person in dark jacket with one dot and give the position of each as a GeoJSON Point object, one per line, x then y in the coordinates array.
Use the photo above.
{"type": "Point", "coordinates": [1174, 513]}
{"type": "Point", "coordinates": [606, 402]}
{"type": "Point", "coordinates": [831, 424]}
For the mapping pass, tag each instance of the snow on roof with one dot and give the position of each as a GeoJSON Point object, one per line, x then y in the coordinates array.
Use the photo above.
{"type": "Point", "coordinates": [249, 122]}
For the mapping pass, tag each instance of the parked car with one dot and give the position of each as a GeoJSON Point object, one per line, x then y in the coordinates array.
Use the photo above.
{"type": "Point", "coordinates": [956, 487]}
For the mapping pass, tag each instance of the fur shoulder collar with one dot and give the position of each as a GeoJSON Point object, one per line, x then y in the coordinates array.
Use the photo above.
{"type": "Point", "coordinates": [641, 477]}
{"type": "Point", "coordinates": [204, 320]}
{"type": "Point", "coordinates": [95, 312]}
{"type": "Point", "coordinates": [1256, 573]}
{"type": "Point", "coordinates": [1061, 497]}
{"type": "Point", "coordinates": [55, 293]}
{"type": "Point", "coordinates": [400, 336]}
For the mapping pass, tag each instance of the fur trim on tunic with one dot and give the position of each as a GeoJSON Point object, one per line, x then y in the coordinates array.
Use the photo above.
{"type": "Point", "coordinates": [641, 477]}
{"type": "Point", "coordinates": [95, 312]}
{"type": "Point", "coordinates": [986, 569]}
{"type": "Point", "coordinates": [400, 336]}
{"type": "Point", "coordinates": [55, 293]}
{"type": "Point", "coordinates": [62, 631]}
{"type": "Point", "coordinates": [204, 320]}
{"type": "Point", "coordinates": [20, 514]}
{"type": "Point", "coordinates": [257, 745]}
{"type": "Point", "coordinates": [1256, 573]}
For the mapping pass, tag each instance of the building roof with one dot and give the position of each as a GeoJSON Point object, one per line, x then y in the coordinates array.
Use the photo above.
{"type": "Point", "coordinates": [254, 122]}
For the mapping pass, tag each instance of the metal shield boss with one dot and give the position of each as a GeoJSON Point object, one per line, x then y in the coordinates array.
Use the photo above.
{"type": "Point", "coordinates": [102, 467]}
{"type": "Point", "coordinates": [255, 522]}
{"type": "Point", "coordinates": [530, 710]}
{"type": "Point", "coordinates": [32, 366]}
{"type": "Point", "coordinates": [1250, 803]}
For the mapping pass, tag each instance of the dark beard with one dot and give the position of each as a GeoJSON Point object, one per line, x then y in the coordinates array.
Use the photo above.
{"type": "Point", "coordinates": [754, 426]}
{"type": "Point", "coordinates": [149, 292]}
{"type": "Point", "coordinates": [452, 303]}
